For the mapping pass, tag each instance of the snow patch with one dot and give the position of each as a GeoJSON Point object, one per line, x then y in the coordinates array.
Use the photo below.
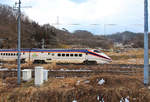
{"type": "Point", "coordinates": [78, 82]}
{"type": "Point", "coordinates": [74, 101]}
{"type": "Point", "coordinates": [102, 81]}
{"type": "Point", "coordinates": [86, 81]}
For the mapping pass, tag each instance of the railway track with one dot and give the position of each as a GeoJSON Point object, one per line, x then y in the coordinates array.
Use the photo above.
{"type": "Point", "coordinates": [109, 65]}
{"type": "Point", "coordinates": [61, 73]}
{"type": "Point", "coordinates": [77, 73]}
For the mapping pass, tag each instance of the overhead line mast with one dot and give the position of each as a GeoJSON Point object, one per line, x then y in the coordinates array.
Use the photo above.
{"type": "Point", "coordinates": [146, 57]}
{"type": "Point", "coordinates": [19, 45]}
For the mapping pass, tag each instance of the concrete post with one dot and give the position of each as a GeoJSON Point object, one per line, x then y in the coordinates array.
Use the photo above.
{"type": "Point", "coordinates": [26, 74]}
{"type": "Point", "coordinates": [38, 76]}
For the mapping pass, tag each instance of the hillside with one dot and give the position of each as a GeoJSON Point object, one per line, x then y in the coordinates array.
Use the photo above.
{"type": "Point", "coordinates": [137, 39]}
{"type": "Point", "coordinates": [32, 34]}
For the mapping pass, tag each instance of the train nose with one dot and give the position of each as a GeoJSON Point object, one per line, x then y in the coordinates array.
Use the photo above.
{"type": "Point", "coordinates": [108, 58]}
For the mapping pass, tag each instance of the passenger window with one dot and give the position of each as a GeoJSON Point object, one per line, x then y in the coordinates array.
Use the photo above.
{"type": "Point", "coordinates": [71, 55]}
{"type": "Point", "coordinates": [49, 53]}
{"type": "Point", "coordinates": [53, 54]}
{"type": "Point", "coordinates": [76, 55]}
{"type": "Point", "coordinates": [80, 55]}
{"type": "Point", "coordinates": [63, 55]}
{"type": "Point", "coordinates": [59, 54]}
{"type": "Point", "coordinates": [67, 55]}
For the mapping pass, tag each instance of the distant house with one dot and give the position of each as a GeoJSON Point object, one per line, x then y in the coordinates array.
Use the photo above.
{"type": "Point", "coordinates": [118, 45]}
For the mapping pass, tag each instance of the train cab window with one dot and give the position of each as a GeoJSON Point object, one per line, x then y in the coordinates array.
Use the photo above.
{"type": "Point", "coordinates": [63, 55]}
{"type": "Point", "coordinates": [97, 51]}
{"type": "Point", "coordinates": [59, 54]}
{"type": "Point", "coordinates": [80, 55]}
{"type": "Point", "coordinates": [67, 55]}
{"type": "Point", "coordinates": [76, 55]}
{"type": "Point", "coordinates": [71, 55]}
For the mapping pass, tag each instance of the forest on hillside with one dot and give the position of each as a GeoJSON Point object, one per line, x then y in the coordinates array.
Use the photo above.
{"type": "Point", "coordinates": [32, 34]}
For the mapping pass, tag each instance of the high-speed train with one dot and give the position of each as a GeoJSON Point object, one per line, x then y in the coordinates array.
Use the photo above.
{"type": "Point", "coordinates": [86, 56]}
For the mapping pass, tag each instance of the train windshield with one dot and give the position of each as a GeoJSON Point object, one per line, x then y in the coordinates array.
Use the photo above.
{"type": "Point", "coordinates": [97, 51]}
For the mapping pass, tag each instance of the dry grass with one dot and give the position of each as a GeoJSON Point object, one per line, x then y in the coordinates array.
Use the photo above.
{"type": "Point", "coordinates": [81, 89]}
{"type": "Point", "coordinates": [9, 66]}
{"type": "Point", "coordinates": [132, 56]}
{"type": "Point", "coordinates": [50, 65]}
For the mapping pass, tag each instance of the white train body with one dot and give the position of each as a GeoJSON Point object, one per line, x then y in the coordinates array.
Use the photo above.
{"type": "Point", "coordinates": [58, 56]}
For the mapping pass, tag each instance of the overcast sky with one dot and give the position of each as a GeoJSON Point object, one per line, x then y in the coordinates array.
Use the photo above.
{"type": "Point", "coordinates": [96, 16]}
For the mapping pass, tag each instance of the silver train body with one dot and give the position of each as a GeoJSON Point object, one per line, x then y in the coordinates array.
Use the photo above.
{"type": "Point", "coordinates": [56, 55]}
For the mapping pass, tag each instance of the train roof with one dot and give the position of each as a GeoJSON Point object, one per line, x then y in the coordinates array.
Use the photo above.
{"type": "Point", "coordinates": [46, 50]}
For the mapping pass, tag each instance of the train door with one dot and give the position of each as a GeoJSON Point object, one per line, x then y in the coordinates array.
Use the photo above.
{"type": "Point", "coordinates": [50, 57]}
{"type": "Point", "coordinates": [90, 58]}
{"type": "Point", "coordinates": [43, 55]}
{"type": "Point", "coordinates": [86, 56]}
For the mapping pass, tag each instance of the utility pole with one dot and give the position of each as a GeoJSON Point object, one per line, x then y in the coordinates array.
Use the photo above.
{"type": "Point", "coordinates": [146, 58]}
{"type": "Point", "coordinates": [19, 45]}
{"type": "Point", "coordinates": [18, 8]}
